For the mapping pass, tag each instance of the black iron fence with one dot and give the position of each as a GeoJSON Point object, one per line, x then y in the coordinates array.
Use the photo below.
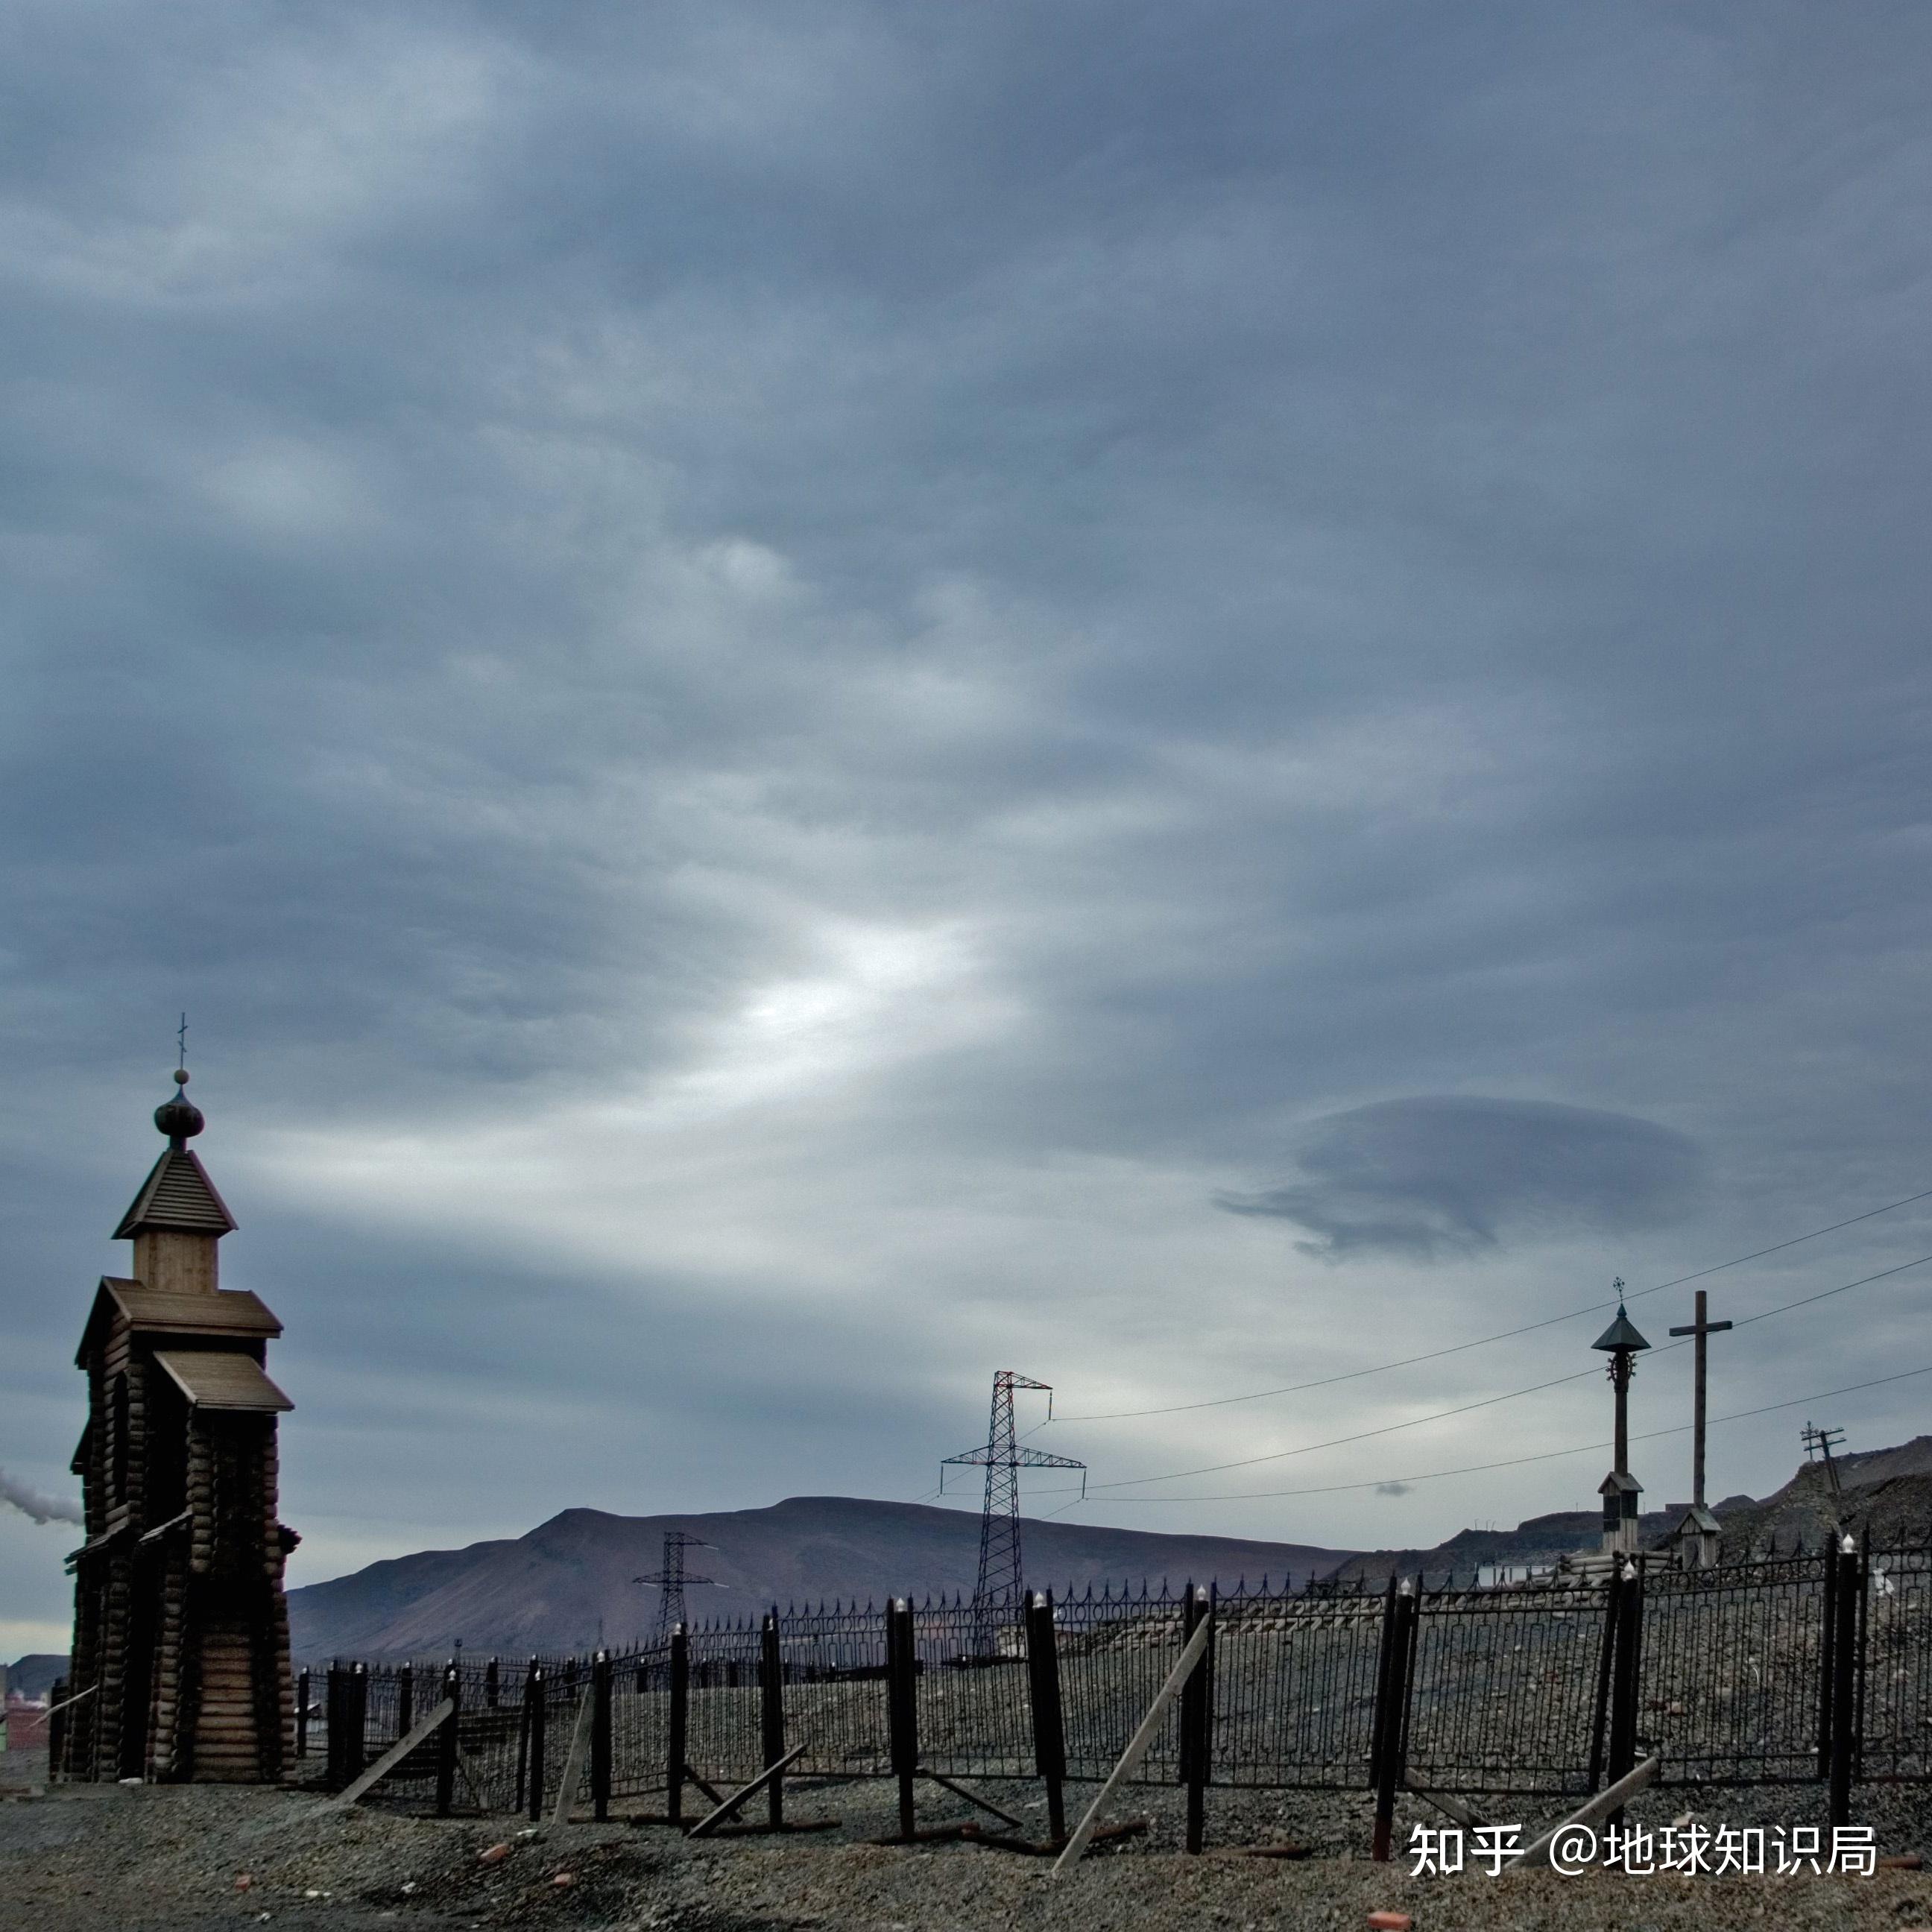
{"type": "Point", "coordinates": [1802, 1667]}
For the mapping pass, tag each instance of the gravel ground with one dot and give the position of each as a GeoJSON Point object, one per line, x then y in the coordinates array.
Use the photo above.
{"type": "Point", "coordinates": [164, 1858]}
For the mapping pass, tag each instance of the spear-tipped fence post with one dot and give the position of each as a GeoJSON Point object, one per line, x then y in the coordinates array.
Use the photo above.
{"type": "Point", "coordinates": [536, 1692]}
{"type": "Point", "coordinates": [491, 1683]}
{"type": "Point", "coordinates": [446, 1742]}
{"type": "Point", "coordinates": [676, 1748]}
{"type": "Point", "coordinates": [771, 1715]}
{"type": "Point", "coordinates": [1378, 1716]}
{"type": "Point", "coordinates": [356, 1744]}
{"type": "Point", "coordinates": [1847, 1584]}
{"type": "Point", "coordinates": [332, 1727]}
{"type": "Point", "coordinates": [523, 1738]}
{"type": "Point", "coordinates": [301, 1716]}
{"type": "Point", "coordinates": [600, 1737]}
{"type": "Point", "coordinates": [405, 1699]}
{"type": "Point", "coordinates": [1864, 1613]}
{"type": "Point", "coordinates": [1599, 1716]}
{"type": "Point", "coordinates": [1049, 1728]}
{"type": "Point", "coordinates": [1827, 1656]}
{"type": "Point", "coordinates": [1626, 1669]}
{"type": "Point", "coordinates": [902, 1706]}
{"type": "Point", "coordinates": [57, 1729]}
{"type": "Point", "coordinates": [1197, 1719]}
{"type": "Point", "coordinates": [1391, 1721]}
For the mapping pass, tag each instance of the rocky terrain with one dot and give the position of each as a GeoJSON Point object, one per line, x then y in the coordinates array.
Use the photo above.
{"type": "Point", "coordinates": [91, 1858]}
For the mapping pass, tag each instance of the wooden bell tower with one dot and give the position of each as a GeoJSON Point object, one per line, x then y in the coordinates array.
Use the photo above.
{"type": "Point", "coordinates": [181, 1632]}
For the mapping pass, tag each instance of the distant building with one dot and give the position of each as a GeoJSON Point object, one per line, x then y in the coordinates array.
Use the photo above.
{"type": "Point", "coordinates": [24, 1723]}
{"type": "Point", "coordinates": [180, 1666]}
{"type": "Point", "coordinates": [1695, 1537]}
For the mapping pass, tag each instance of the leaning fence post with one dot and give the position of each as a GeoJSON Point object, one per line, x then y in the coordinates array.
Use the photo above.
{"type": "Point", "coordinates": [536, 1691]}
{"type": "Point", "coordinates": [1049, 1727]}
{"type": "Point", "coordinates": [446, 1742]}
{"type": "Point", "coordinates": [902, 1706]}
{"type": "Point", "coordinates": [1844, 1682]}
{"type": "Point", "coordinates": [301, 1716]}
{"type": "Point", "coordinates": [1391, 1724]}
{"type": "Point", "coordinates": [771, 1672]}
{"type": "Point", "coordinates": [600, 1738]}
{"type": "Point", "coordinates": [1197, 1719]}
{"type": "Point", "coordinates": [676, 1748]}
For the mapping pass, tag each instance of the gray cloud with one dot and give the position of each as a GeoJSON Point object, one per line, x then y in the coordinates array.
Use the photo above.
{"type": "Point", "coordinates": [773, 688]}
{"type": "Point", "coordinates": [42, 1509]}
{"type": "Point", "coordinates": [1436, 1176]}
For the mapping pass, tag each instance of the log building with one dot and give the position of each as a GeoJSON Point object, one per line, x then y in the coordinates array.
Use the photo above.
{"type": "Point", "coordinates": [181, 1632]}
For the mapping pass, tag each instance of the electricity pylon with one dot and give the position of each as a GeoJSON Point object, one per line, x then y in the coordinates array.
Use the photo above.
{"type": "Point", "coordinates": [999, 1595]}
{"type": "Point", "coordinates": [671, 1579]}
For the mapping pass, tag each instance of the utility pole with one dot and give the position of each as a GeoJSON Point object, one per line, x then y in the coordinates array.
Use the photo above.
{"type": "Point", "coordinates": [1000, 1595]}
{"type": "Point", "coordinates": [671, 1579]}
{"type": "Point", "coordinates": [1703, 1328]}
{"type": "Point", "coordinates": [1824, 1441]}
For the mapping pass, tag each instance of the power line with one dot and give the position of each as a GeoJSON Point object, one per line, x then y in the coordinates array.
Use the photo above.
{"type": "Point", "coordinates": [1513, 1462]}
{"type": "Point", "coordinates": [1502, 1335]}
{"type": "Point", "coordinates": [1486, 1402]}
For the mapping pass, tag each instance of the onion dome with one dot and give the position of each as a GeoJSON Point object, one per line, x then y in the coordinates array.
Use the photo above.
{"type": "Point", "coordinates": [178, 1116]}
{"type": "Point", "coordinates": [177, 1197]}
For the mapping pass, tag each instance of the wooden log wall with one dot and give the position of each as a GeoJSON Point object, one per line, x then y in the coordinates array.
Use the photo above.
{"type": "Point", "coordinates": [190, 1630]}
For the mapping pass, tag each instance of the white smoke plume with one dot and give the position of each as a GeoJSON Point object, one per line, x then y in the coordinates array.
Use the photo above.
{"type": "Point", "coordinates": [42, 1509]}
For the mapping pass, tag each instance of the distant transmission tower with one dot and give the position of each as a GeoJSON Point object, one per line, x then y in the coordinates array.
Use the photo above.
{"type": "Point", "coordinates": [671, 1579]}
{"type": "Point", "coordinates": [998, 1597]}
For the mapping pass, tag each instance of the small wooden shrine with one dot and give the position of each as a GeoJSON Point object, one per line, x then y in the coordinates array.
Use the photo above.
{"type": "Point", "coordinates": [181, 1633]}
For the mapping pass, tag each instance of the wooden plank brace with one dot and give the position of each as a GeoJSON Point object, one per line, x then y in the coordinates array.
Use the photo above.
{"type": "Point", "coordinates": [397, 1752]}
{"type": "Point", "coordinates": [711, 1820]}
{"type": "Point", "coordinates": [1137, 1747]}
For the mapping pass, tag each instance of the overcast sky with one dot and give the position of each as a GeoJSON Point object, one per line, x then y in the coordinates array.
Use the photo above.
{"type": "Point", "coordinates": [812, 699]}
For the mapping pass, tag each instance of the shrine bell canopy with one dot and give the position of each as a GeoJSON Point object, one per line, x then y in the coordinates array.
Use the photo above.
{"type": "Point", "coordinates": [1622, 1333]}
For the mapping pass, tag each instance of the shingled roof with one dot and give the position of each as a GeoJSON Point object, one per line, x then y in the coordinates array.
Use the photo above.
{"type": "Point", "coordinates": [177, 1196]}
{"type": "Point", "coordinates": [213, 1379]}
{"type": "Point", "coordinates": [234, 1314]}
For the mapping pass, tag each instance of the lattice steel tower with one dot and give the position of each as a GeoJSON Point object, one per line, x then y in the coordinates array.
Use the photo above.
{"type": "Point", "coordinates": [671, 1579]}
{"type": "Point", "coordinates": [999, 1596]}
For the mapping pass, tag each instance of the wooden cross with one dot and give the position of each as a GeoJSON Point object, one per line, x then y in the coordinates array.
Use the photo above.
{"type": "Point", "coordinates": [1702, 1328]}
